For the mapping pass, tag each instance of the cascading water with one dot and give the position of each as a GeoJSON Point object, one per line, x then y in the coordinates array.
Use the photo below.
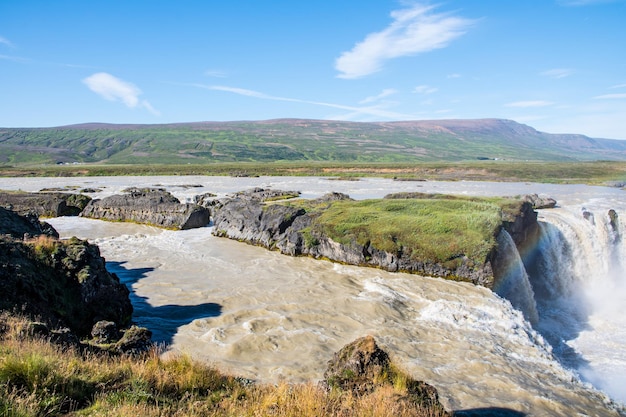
{"type": "Point", "coordinates": [513, 281]}
{"type": "Point", "coordinates": [576, 269]}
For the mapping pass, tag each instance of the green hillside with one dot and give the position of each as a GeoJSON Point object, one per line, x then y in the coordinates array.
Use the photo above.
{"type": "Point", "coordinates": [299, 140]}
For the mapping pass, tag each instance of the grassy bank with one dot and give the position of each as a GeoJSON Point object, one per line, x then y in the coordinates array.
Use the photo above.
{"type": "Point", "coordinates": [440, 229]}
{"type": "Point", "coordinates": [549, 172]}
{"type": "Point", "coordinates": [38, 378]}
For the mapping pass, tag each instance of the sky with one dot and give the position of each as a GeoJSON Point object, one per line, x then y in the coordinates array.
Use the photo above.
{"type": "Point", "coordinates": [556, 65]}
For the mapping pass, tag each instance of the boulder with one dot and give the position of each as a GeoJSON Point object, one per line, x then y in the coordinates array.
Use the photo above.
{"type": "Point", "coordinates": [155, 207]}
{"type": "Point", "coordinates": [104, 332]}
{"type": "Point", "coordinates": [44, 204]}
{"type": "Point", "coordinates": [362, 366]}
{"type": "Point", "coordinates": [540, 201]}
{"type": "Point", "coordinates": [135, 340]}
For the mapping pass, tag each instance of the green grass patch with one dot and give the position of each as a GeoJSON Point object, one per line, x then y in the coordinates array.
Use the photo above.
{"type": "Point", "coordinates": [434, 229]}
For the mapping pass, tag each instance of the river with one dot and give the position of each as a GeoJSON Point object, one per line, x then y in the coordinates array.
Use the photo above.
{"type": "Point", "coordinates": [270, 317]}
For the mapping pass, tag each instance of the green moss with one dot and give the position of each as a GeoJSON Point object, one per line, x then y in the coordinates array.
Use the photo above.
{"type": "Point", "coordinates": [429, 229]}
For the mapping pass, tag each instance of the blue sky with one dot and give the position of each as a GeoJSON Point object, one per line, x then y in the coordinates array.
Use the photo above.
{"type": "Point", "coordinates": [556, 65]}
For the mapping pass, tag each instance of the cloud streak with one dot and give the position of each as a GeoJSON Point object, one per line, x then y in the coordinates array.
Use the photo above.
{"type": "Point", "coordinates": [5, 41]}
{"type": "Point", "coordinates": [114, 89]}
{"type": "Point", "coordinates": [374, 110]}
{"type": "Point", "coordinates": [618, 96]}
{"type": "Point", "coordinates": [425, 89]}
{"type": "Point", "coordinates": [558, 73]}
{"type": "Point", "coordinates": [413, 31]}
{"type": "Point", "coordinates": [385, 93]}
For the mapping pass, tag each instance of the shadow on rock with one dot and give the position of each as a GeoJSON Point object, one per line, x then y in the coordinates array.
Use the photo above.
{"type": "Point", "coordinates": [488, 412]}
{"type": "Point", "coordinates": [163, 321]}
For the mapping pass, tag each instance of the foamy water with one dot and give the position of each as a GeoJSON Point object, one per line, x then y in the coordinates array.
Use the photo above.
{"type": "Point", "coordinates": [272, 317]}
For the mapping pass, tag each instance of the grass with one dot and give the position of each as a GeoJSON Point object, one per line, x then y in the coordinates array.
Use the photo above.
{"type": "Point", "coordinates": [38, 378]}
{"type": "Point", "coordinates": [596, 173]}
{"type": "Point", "coordinates": [434, 229]}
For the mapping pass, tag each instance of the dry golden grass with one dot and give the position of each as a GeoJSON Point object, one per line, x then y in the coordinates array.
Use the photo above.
{"type": "Point", "coordinates": [39, 378]}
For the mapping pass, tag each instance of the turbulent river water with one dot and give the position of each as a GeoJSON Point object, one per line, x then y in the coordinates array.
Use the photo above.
{"type": "Point", "coordinates": [270, 317]}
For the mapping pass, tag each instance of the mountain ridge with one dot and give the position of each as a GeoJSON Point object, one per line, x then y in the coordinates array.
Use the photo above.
{"type": "Point", "coordinates": [300, 140]}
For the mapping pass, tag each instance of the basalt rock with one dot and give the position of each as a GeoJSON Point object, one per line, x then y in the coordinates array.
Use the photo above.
{"type": "Point", "coordinates": [44, 204]}
{"type": "Point", "coordinates": [63, 283]}
{"type": "Point", "coordinates": [150, 206]}
{"type": "Point", "coordinates": [24, 226]}
{"type": "Point", "coordinates": [287, 229]}
{"type": "Point", "coordinates": [540, 201]}
{"type": "Point", "coordinates": [362, 366]}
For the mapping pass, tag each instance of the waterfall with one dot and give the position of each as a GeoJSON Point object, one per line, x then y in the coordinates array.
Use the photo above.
{"type": "Point", "coordinates": [512, 281]}
{"type": "Point", "coordinates": [575, 268]}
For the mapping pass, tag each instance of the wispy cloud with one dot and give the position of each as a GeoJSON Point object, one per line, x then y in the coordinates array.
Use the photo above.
{"type": "Point", "coordinates": [6, 42]}
{"type": "Point", "coordinates": [215, 73]}
{"type": "Point", "coordinates": [455, 75]}
{"type": "Point", "coordinates": [618, 96]}
{"type": "Point", "coordinates": [385, 93]}
{"type": "Point", "coordinates": [414, 30]}
{"type": "Point", "coordinates": [378, 110]}
{"type": "Point", "coordinates": [558, 73]}
{"type": "Point", "coordinates": [113, 89]}
{"type": "Point", "coordinates": [615, 87]}
{"type": "Point", "coordinates": [425, 89]}
{"type": "Point", "coordinates": [15, 59]}
{"type": "Point", "coordinates": [529, 103]}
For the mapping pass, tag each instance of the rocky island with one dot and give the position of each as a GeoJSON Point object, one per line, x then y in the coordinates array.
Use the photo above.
{"type": "Point", "coordinates": [444, 236]}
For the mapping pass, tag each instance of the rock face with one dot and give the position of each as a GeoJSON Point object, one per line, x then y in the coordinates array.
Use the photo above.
{"type": "Point", "coordinates": [20, 226]}
{"type": "Point", "coordinates": [287, 229]}
{"type": "Point", "coordinates": [45, 204]}
{"type": "Point", "coordinates": [150, 206]}
{"type": "Point", "coordinates": [64, 283]}
{"type": "Point", "coordinates": [362, 366]}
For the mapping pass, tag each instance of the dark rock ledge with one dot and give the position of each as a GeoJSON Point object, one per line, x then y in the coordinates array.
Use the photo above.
{"type": "Point", "coordinates": [245, 217]}
{"type": "Point", "coordinates": [153, 206]}
{"type": "Point", "coordinates": [64, 287]}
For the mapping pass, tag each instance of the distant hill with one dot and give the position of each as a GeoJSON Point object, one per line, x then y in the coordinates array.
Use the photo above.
{"type": "Point", "coordinates": [300, 139]}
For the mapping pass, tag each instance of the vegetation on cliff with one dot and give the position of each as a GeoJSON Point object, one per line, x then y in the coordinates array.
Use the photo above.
{"type": "Point", "coordinates": [428, 229]}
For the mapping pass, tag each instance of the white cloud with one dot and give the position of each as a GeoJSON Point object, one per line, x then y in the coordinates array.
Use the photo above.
{"type": "Point", "coordinates": [558, 73]}
{"type": "Point", "coordinates": [425, 89]}
{"type": "Point", "coordinates": [113, 89]}
{"type": "Point", "coordinates": [385, 93]}
{"type": "Point", "coordinates": [454, 76]}
{"type": "Point", "coordinates": [529, 103]}
{"type": "Point", "coordinates": [374, 110]}
{"type": "Point", "coordinates": [613, 87]}
{"type": "Point", "coordinates": [415, 30]}
{"type": "Point", "coordinates": [5, 41]}
{"type": "Point", "coordinates": [215, 73]}
{"type": "Point", "coordinates": [611, 96]}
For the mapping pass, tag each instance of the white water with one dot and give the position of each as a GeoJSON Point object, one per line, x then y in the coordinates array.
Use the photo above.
{"type": "Point", "coordinates": [271, 317]}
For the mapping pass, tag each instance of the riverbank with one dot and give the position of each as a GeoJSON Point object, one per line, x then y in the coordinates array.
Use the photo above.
{"type": "Point", "coordinates": [609, 173]}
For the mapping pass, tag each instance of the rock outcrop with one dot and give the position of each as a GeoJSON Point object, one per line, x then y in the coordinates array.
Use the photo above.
{"type": "Point", "coordinates": [63, 283]}
{"type": "Point", "coordinates": [287, 229]}
{"type": "Point", "coordinates": [44, 204]}
{"type": "Point", "coordinates": [362, 366]}
{"type": "Point", "coordinates": [152, 206]}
